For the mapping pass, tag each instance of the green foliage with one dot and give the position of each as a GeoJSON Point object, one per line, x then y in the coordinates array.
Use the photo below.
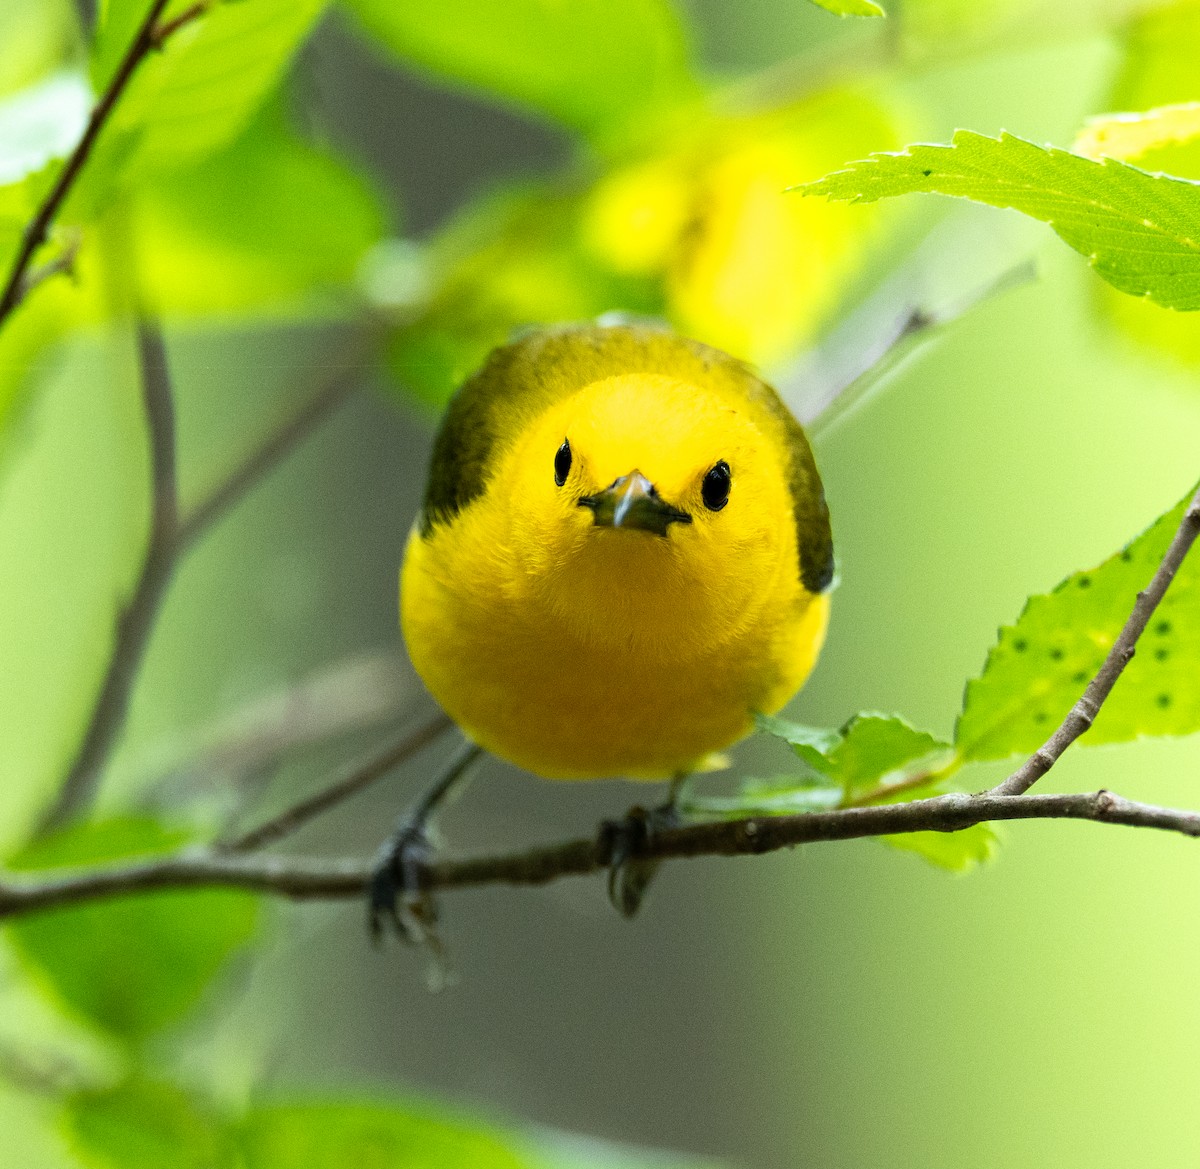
{"type": "Point", "coordinates": [135, 965]}
{"type": "Point", "coordinates": [851, 7]}
{"type": "Point", "coordinates": [597, 66]}
{"type": "Point", "coordinates": [325, 1134]}
{"type": "Point", "coordinates": [197, 94]}
{"type": "Point", "coordinates": [1040, 665]}
{"type": "Point", "coordinates": [1157, 69]}
{"type": "Point", "coordinates": [1141, 232]}
{"type": "Point", "coordinates": [270, 224]}
{"type": "Point", "coordinates": [872, 759]}
{"type": "Point", "coordinates": [145, 1124]}
{"type": "Point", "coordinates": [691, 229]}
{"type": "Point", "coordinates": [872, 751]}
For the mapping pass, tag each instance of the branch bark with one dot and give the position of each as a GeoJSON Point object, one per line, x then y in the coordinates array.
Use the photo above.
{"type": "Point", "coordinates": [304, 879]}
{"type": "Point", "coordinates": [170, 539]}
{"type": "Point", "coordinates": [149, 37]}
{"type": "Point", "coordinates": [356, 780]}
{"type": "Point", "coordinates": [1083, 713]}
{"type": "Point", "coordinates": [136, 619]}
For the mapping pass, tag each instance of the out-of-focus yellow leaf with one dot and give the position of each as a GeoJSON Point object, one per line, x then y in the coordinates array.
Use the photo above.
{"type": "Point", "coordinates": [851, 7]}
{"type": "Point", "coordinates": [1129, 136]}
{"type": "Point", "coordinates": [754, 271]}
{"type": "Point", "coordinates": [700, 232]}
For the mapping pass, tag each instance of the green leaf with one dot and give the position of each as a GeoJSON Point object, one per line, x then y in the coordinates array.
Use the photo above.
{"type": "Point", "coordinates": [200, 92]}
{"type": "Point", "coordinates": [851, 7]}
{"type": "Point", "coordinates": [135, 964]}
{"type": "Point", "coordinates": [956, 852]}
{"type": "Point", "coordinates": [36, 38]}
{"type": "Point", "coordinates": [869, 752]}
{"type": "Point", "coordinates": [1040, 666]}
{"type": "Point", "coordinates": [594, 65]}
{"type": "Point", "coordinates": [1158, 69]}
{"type": "Point", "coordinates": [322, 1134]}
{"type": "Point", "coordinates": [264, 225]}
{"type": "Point", "coordinates": [873, 759]}
{"type": "Point", "coordinates": [145, 1125]}
{"type": "Point", "coordinates": [1140, 232]}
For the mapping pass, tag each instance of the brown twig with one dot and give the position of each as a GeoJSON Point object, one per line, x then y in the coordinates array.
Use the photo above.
{"type": "Point", "coordinates": [136, 619]}
{"type": "Point", "coordinates": [311, 879]}
{"type": "Point", "coordinates": [332, 391]}
{"type": "Point", "coordinates": [356, 780]}
{"type": "Point", "coordinates": [171, 537]}
{"type": "Point", "coordinates": [1083, 713]}
{"type": "Point", "coordinates": [148, 38]}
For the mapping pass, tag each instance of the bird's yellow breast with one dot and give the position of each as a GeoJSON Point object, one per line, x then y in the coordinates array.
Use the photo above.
{"type": "Point", "coordinates": [577, 647]}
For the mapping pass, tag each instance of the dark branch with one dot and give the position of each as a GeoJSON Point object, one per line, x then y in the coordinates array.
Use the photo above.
{"type": "Point", "coordinates": [309, 879]}
{"type": "Point", "coordinates": [136, 619]}
{"type": "Point", "coordinates": [149, 37]}
{"type": "Point", "coordinates": [355, 781]}
{"type": "Point", "coordinates": [1083, 713]}
{"type": "Point", "coordinates": [290, 433]}
{"type": "Point", "coordinates": [170, 538]}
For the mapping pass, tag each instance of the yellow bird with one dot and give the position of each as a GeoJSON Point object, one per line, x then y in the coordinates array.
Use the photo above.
{"type": "Point", "coordinates": [624, 554]}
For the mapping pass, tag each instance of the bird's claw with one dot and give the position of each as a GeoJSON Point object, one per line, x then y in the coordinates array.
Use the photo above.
{"type": "Point", "coordinates": [397, 895]}
{"type": "Point", "coordinates": [629, 872]}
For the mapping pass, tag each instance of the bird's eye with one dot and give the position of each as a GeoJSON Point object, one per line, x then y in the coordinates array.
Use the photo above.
{"type": "Point", "coordinates": [562, 463]}
{"type": "Point", "coordinates": [715, 488]}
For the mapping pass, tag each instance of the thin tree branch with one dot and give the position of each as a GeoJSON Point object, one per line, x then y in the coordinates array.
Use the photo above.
{"type": "Point", "coordinates": [136, 619]}
{"type": "Point", "coordinates": [353, 782]}
{"type": "Point", "coordinates": [332, 391]}
{"type": "Point", "coordinates": [170, 538]}
{"type": "Point", "coordinates": [1083, 713]}
{"type": "Point", "coordinates": [310, 879]}
{"type": "Point", "coordinates": [148, 38]}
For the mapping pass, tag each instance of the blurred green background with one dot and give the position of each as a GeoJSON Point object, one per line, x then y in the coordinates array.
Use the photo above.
{"type": "Point", "coordinates": [839, 1005]}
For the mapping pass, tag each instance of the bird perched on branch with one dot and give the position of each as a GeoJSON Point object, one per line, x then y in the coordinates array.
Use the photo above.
{"type": "Point", "coordinates": [623, 556]}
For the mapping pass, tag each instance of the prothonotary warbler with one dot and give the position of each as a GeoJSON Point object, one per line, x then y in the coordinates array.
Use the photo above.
{"type": "Point", "coordinates": [624, 554]}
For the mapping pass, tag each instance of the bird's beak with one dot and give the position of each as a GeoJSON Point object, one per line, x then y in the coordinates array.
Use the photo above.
{"type": "Point", "coordinates": [632, 502]}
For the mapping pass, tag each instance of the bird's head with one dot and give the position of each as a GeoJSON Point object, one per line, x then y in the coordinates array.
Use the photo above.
{"type": "Point", "coordinates": [648, 508]}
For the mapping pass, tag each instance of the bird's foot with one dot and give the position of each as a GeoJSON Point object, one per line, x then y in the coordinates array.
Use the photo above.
{"type": "Point", "coordinates": [398, 899]}
{"type": "Point", "coordinates": [629, 872]}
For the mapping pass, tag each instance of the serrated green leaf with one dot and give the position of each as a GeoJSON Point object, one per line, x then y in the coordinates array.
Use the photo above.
{"type": "Point", "coordinates": [1160, 49]}
{"type": "Point", "coordinates": [136, 964]}
{"type": "Point", "coordinates": [199, 93]}
{"type": "Point", "coordinates": [957, 852]}
{"type": "Point", "coordinates": [869, 751]}
{"type": "Point", "coordinates": [594, 65]}
{"type": "Point", "coordinates": [1041, 665]}
{"type": "Point", "coordinates": [1140, 232]}
{"type": "Point", "coordinates": [145, 1125]}
{"type": "Point", "coordinates": [322, 1134]}
{"type": "Point", "coordinates": [851, 7]}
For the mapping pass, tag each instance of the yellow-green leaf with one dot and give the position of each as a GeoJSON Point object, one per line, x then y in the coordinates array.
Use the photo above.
{"type": "Point", "coordinates": [1041, 665]}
